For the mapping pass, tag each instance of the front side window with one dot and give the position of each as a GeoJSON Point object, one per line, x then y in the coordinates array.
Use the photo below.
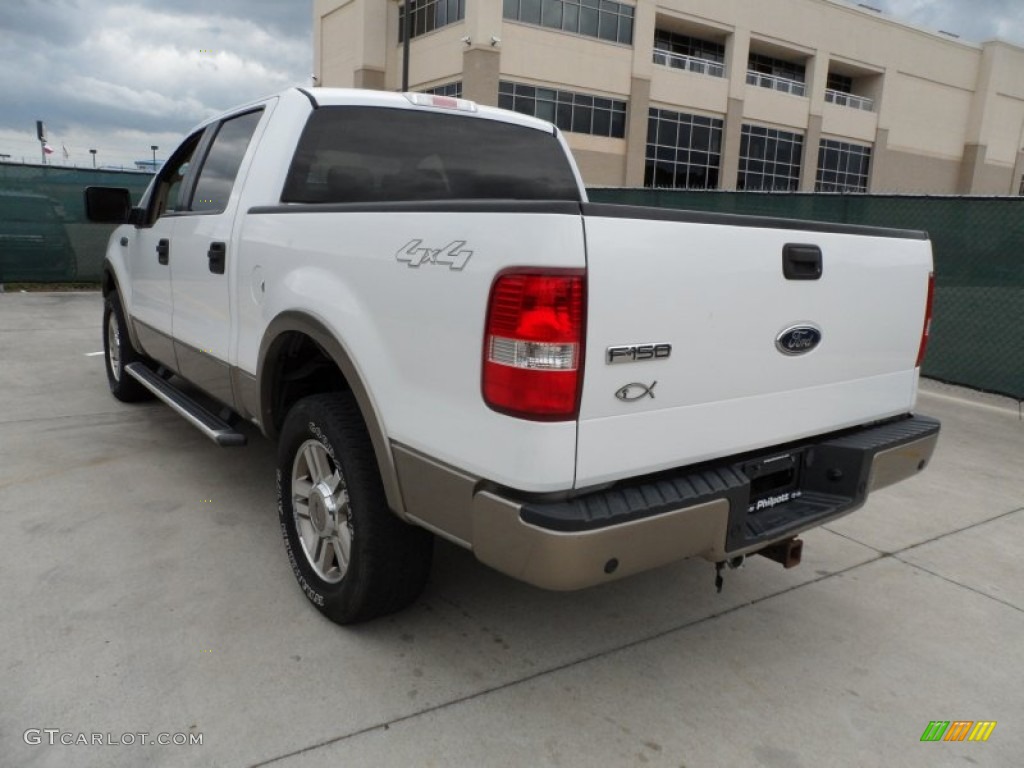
{"type": "Point", "coordinates": [575, 112]}
{"type": "Point", "coordinates": [217, 176]}
{"type": "Point", "coordinates": [379, 154]}
{"type": "Point", "coordinates": [769, 160]}
{"type": "Point", "coordinates": [604, 19]}
{"type": "Point", "coordinates": [164, 195]}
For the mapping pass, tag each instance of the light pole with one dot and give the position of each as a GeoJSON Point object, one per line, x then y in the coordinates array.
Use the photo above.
{"type": "Point", "coordinates": [154, 147]}
{"type": "Point", "coordinates": [93, 153]}
{"type": "Point", "coordinates": [406, 44]}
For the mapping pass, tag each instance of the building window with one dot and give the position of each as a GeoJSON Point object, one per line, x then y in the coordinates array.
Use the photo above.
{"type": "Point", "coordinates": [683, 151]}
{"type": "Point", "coordinates": [689, 53]}
{"type": "Point", "coordinates": [448, 89]}
{"type": "Point", "coordinates": [769, 160]}
{"type": "Point", "coordinates": [839, 91]}
{"type": "Point", "coordinates": [842, 167]}
{"type": "Point", "coordinates": [428, 15]}
{"type": "Point", "coordinates": [779, 75]}
{"type": "Point", "coordinates": [839, 83]}
{"type": "Point", "coordinates": [575, 112]}
{"type": "Point", "coordinates": [603, 19]}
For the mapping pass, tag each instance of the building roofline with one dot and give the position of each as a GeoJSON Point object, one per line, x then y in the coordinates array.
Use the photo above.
{"type": "Point", "coordinates": [887, 18]}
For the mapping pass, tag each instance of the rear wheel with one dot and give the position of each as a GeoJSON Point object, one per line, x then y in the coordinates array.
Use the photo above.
{"type": "Point", "coordinates": [352, 557]}
{"type": "Point", "coordinates": [118, 352]}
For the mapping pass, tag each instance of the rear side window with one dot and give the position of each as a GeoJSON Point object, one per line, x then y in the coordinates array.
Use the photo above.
{"type": "Point", "coordinates": [374, 154]}
{"type": "Point", "coordinates": [217, 176]}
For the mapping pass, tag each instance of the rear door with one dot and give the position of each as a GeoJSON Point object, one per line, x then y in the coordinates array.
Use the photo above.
{"type": "Point", "coordinates": [204, 259]}
{"type": "Point", "coordinates": [689, 321]}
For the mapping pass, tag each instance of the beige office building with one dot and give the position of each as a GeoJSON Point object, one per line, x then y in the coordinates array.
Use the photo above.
{"type": "Point", "coordinates": [722, 94]}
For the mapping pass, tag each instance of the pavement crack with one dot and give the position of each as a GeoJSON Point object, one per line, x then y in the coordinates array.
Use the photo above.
{"type": "Point", "coordinates": [607, 652]}
{"type": "Point", "coordinates": [855, 541]}
{"type": "Point", "coordinates": [960, 584]}
{"type": "Point", "coordinates": [941, 536]}
{"type": "Point", "coordinates": [938, 537]}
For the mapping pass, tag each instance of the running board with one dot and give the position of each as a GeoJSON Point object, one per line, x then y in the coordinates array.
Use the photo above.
{"type": "Point", "coordinates": [210, 425]}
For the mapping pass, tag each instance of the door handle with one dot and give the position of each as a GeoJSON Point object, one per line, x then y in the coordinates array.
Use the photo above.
{"type": "Point", "coordinates": [216, 256]}
{"type": "Point", "coordinates": [801, 262]}
{"type": "Point", "coordinates": [163, 251]}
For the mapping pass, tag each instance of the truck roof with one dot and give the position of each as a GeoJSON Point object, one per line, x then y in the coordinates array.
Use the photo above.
{"type": "Point", "coordinates": [338, 97]}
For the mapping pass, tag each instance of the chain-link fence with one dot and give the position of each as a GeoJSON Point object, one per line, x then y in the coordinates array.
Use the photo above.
{"type": "Point", "coordinates": [978, 329]}
{"type": "Point", "coordinates": [44, 236]}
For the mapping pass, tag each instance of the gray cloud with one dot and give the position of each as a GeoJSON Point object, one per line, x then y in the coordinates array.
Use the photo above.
{"type": "Point", "coordinates": [119, 76]}
{"type": "Point", "coordinates": [972, 20]}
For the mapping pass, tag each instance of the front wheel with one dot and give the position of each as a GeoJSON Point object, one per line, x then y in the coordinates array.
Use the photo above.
{"type": "Point", "coordinates": [352, 557]}
{"type": "Point", "coordinates": [118, 352]}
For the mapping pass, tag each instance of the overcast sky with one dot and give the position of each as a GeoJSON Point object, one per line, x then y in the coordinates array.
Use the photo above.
{"type": "Point", "coordinates": [121, 75]}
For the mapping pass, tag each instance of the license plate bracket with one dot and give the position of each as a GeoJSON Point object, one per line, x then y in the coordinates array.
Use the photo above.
{"type": "Point", "coordinates": [774, 480]}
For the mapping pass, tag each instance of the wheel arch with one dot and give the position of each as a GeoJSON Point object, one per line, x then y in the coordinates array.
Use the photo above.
{"type": "Point", "coordinates": [291, 327]}
{"type": "Point", "coordinates": [109, 284]}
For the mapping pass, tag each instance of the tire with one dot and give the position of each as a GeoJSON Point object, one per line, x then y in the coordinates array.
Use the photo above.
{"type": "Point", "coordinates": [118, 352]}
{"type": "Point", "coordinates": [353, 558]}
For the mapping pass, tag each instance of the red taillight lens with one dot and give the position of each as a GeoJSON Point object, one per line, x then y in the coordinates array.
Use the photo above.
{"type": "Point", "coordinates": [926, 331]}
{"type": "Point", "coordinates": [533, 344]}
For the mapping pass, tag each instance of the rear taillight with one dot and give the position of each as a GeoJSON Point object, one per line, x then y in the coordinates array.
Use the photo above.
{"type": "Point", "coordinates": [927, 329]}
{"type": "Point", "coordinates": [533, 344]}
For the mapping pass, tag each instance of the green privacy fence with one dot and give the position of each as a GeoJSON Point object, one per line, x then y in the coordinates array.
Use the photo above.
{"type": "Point", "coordinates": [44, 236]}
{"type": "Point", "coordinates": [977, 335]}
{"type": "Point", "coordinates": [978, 329]}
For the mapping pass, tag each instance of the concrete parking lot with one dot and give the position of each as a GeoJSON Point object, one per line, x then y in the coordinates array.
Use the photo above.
{"type": "Point", "coordinates": [146, 590]}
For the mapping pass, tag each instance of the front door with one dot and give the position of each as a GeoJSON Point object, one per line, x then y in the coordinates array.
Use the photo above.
{"type": "Point", "coordinates": [151, 258]}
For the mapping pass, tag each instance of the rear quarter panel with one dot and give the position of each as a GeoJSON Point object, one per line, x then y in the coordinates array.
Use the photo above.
{"type": "Point", "coordinates": [415, 333]}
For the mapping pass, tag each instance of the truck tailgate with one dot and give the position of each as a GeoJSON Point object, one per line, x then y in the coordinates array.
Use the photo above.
{"type": "Point", "coordinates": [714, 288]}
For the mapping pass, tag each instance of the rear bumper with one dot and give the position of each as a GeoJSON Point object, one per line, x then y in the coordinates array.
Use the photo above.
{"type": "Point", "coordinates": [715, 511]}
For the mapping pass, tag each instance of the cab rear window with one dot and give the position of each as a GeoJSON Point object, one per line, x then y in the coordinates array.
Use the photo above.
{"type": "Point", "coordinates": [376, 154]}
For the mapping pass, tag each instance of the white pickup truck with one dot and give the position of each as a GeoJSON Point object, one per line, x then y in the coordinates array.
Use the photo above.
{"type": "Point", "coordinates": [412, 295]}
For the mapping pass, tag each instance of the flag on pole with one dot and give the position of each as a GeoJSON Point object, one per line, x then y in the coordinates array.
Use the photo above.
{"type": "Point", "coordinates": [47, 149]}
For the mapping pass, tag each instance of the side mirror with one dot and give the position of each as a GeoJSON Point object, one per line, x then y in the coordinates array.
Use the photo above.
{"type": "Point", "coordinates": [108, 205]}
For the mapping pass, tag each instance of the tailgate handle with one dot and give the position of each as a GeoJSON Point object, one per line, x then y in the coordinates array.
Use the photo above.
{"type": "Point", "coordinates": [801, 262]}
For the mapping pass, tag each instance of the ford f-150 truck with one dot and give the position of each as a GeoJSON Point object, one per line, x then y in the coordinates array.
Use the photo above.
{"type": "Point", "coordinates": [412, 295]}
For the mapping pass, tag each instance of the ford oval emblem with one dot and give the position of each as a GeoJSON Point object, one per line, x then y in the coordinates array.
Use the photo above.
{"type": "Point", "coordinates": [798, 340]}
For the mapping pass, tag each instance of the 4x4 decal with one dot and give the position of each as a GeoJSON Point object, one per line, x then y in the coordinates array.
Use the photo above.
{"type": "Point", "coordinates": [415, 254]}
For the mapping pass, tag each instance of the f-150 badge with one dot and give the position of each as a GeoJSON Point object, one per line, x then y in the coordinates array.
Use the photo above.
{"type": "Point", "coordinates": [453, 256]}
{"type": "Point", "coordinates": [635, 391]}
{"type": "Point", "coordinates": [635, 353]}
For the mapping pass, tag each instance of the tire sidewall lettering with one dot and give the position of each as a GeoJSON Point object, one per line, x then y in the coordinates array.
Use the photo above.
{"type": "Point", "coordinates": [312, 594]}
{"type": "Point", "coordinates": [318, 434]}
